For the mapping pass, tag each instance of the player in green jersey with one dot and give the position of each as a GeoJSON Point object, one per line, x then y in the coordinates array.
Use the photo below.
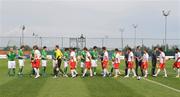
{"type": "Point", "coordinates": [11, 61]}
{"type": "Point", "coordinates": [82, 57]}
{"type": "Point", "coordinates": [21, 60]}
{"type": "Point", "coordinates": [94, 55]}
{"type": "Point", "coordinates": [44, 60]}
{"type": "Point", "coordinates": [66, 59]}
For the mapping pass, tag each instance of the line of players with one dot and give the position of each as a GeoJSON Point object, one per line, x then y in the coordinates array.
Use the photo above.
{"type": "Point", "coordinates": [88, 62]}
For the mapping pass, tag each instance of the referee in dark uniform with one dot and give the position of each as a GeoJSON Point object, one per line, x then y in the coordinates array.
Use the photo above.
{"type": "Point", "coordinates": [126, 62]}
{"type": "Point", "coordinates": [138, 60]}
{"type": "Point", "coordinates": [154, 60]}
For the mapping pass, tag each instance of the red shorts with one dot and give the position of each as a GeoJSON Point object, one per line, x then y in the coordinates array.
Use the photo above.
{"type": "Point", "coordinates": [105, 64]}
{"type": "Point", "coordinates": [130, 65]}
{"type": "Point", "coordinates": [177, 64]}
{"type": "Point", "coordinates": [144, 65]}
{"type": "Point", "coordinates": [174, 65]}
{"type": "Point", "coordinates": [161, 65]}
{"type": "Point", "coordinates": [116, 65]}
{"type": "Point", "coordinates": [88, 65]}
{"type": "Point", "coordinates": [36, 63]}
{"type": "Point", "coordinates": [72, 65]}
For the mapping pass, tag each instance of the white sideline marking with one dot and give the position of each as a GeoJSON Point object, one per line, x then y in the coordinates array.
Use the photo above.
{"type": "Point", "coordinates": [177, 90]}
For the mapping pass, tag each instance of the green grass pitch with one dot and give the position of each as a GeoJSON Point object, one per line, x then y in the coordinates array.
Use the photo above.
{"type": "Point", "coordinates": [98, 86]}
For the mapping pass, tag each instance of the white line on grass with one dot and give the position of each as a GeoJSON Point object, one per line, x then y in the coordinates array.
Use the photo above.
{"type": "Point", "coordinates": [177, 90]}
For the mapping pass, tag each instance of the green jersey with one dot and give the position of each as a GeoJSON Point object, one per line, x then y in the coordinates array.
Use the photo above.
{"type": "Point", "coordinates": [66, 56]}
{"type": "Point", "coordinates": [32, 55]}
{"type": "Point", "coordinates": [20, 54]}
{"type": "Point", "coordinates": [94, 55]}
{"type": "Point", "coordinates": [83, 55]}
{"type": "Point", "coordinates": [113, 56]}
{"type": "Point", "coordinates": [44, 54]}
{"type": "Point", "coordinates": [11, 56]}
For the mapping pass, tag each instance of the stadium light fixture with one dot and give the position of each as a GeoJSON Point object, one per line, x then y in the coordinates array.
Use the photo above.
{"type": "Point", "coordinates": [135, 27]}
{"type": "Point", "coordinates": [122, 30]}
{"type": "Point", "coordinates": [165, 14]}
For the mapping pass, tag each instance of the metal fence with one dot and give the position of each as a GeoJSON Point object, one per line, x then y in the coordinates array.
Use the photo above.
{"type": "Point", "coordinates": [110, 43]}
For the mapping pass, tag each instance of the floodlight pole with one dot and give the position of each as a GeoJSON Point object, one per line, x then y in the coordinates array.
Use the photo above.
{"type": "Point", "coordinates": [135, 27]}
{"type": "Point", "coordinates": [23, 28]}
{"type": "Point", "coordinates": [165, 14]}
{"type": "Point", "coordinates": [122, 30]}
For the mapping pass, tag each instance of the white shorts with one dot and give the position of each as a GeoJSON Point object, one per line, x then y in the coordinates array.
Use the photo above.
{"type": "Point", "coordinates": [44, 63]}
{"type": "Point", "coordinates": [54, 63]}
{"type": "Point", "coordinates": [82, 65]}
{"type": "Point", "coordinates": [65, 64]}
{"type": "Point", "coordinates": [94, 63]}
{"type": "Point", "coordinates": [21, 62]}
{"type": "Point", "coordinates": [11, 64]}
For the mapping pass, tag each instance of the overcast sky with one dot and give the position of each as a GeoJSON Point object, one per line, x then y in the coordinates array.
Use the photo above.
{"type": "Point", "coordinates": [93, 18]}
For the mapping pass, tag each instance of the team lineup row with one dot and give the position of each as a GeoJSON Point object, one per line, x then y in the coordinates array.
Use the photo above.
{"type": "Point", "coordinates": [88, 61]}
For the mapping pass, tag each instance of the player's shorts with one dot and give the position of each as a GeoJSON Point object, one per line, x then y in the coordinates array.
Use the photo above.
{"type": "Point", "coordinates": [36, 63]}
{"type": "Point", "coordinates": [82, 64]}
{"type": "Point", "coordinates": [21, 62]}
{"type": "Point", "coordinates": [94, 63]}
{"type": "Point", "coordinates": [116, 65]}
{"type": "Point", "coordinates": [65, 64]}
{"type": "Point", "coordinates": [105, 64]}
{"type": "Point", "coordinates": [72, 65]}
{"type": "Point", "coordinates": [88, 65]}
{"type": "Point", "coordinates": [11, 64]}
{"type": "Point", "coordinates": [44, 63]}
{"type": "Point", "coordinates": [54, 63]}
{"type": "Point", "coordinates": [177, 65]}
{"type": "Point", "coordinates": [161, 65]}
{"type": "Point", "coordinates": [144, 65]}
{"type": "Point", "coordinates": [130, 65]}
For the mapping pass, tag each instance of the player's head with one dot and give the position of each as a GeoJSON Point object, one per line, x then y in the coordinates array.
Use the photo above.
{"type": "Point", "coordinates": [160, 49]}
{"type": "Point", "coordinates": [57, 47]}
{"type": "Point", "coordinates": [129, 49]}
{"type": "Point", "coordinates": [95, 47]}
{"type": "Point", "coordinates": [44, 47]}
{"type": "Point", "coordinates": [176, 50]}
{"type": "Point", "coordinates": [22, 47]}
{"type": "Point", "coordinates": [66, 49]}
{"type": "Point", "coordinates": [138, 48]}
{"type": "Point", "coordinates": [116, 50]}
{"type": "Point", "coordinates": [35, 47]}
{"type": "Point", "coordinates": [85, 49]}
{"type": "Point", "coordinates": [104, 48]}
{"type": "Point", "coordinates": [145, 50]}
{"type": "Point", "coordinates": [11, 49]}
{"type": "Point", "coordinates": [155, 48]}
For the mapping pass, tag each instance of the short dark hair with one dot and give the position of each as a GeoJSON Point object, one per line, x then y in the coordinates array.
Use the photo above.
{"type": "Point", "coordinates": [116, 49]}
{"type": "Point", "coordinates": [104, 48]}
{"type": "Point", "coordinates": [66, 49]}
{"type": "Point", "coordinates": [57, 46]}
{"type": "Point", "coordinates": [129, 49]}
{"type": "Point", "coordinates": [35, 47]}
{"type": "Point", "coordinates": [44, 47]}
{"type": "Point", "coordinates": [85, 49]}
{"type": "Point", "coordinates": [95, 47]}
{"type": "Point", "coordinates": [22, 46]}
{"type": "Point", "coordinates": [137, 47]}
{"type": "Point", "coordinates": [177, 49]}
{"type": "Point", "coordinates": [161, 49]}
{"type": "Point", "coordinates": [155, 48]}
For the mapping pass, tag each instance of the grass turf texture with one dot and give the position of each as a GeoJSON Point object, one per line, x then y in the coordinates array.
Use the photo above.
{"type": "Point", "coordinates": [27, 86]}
